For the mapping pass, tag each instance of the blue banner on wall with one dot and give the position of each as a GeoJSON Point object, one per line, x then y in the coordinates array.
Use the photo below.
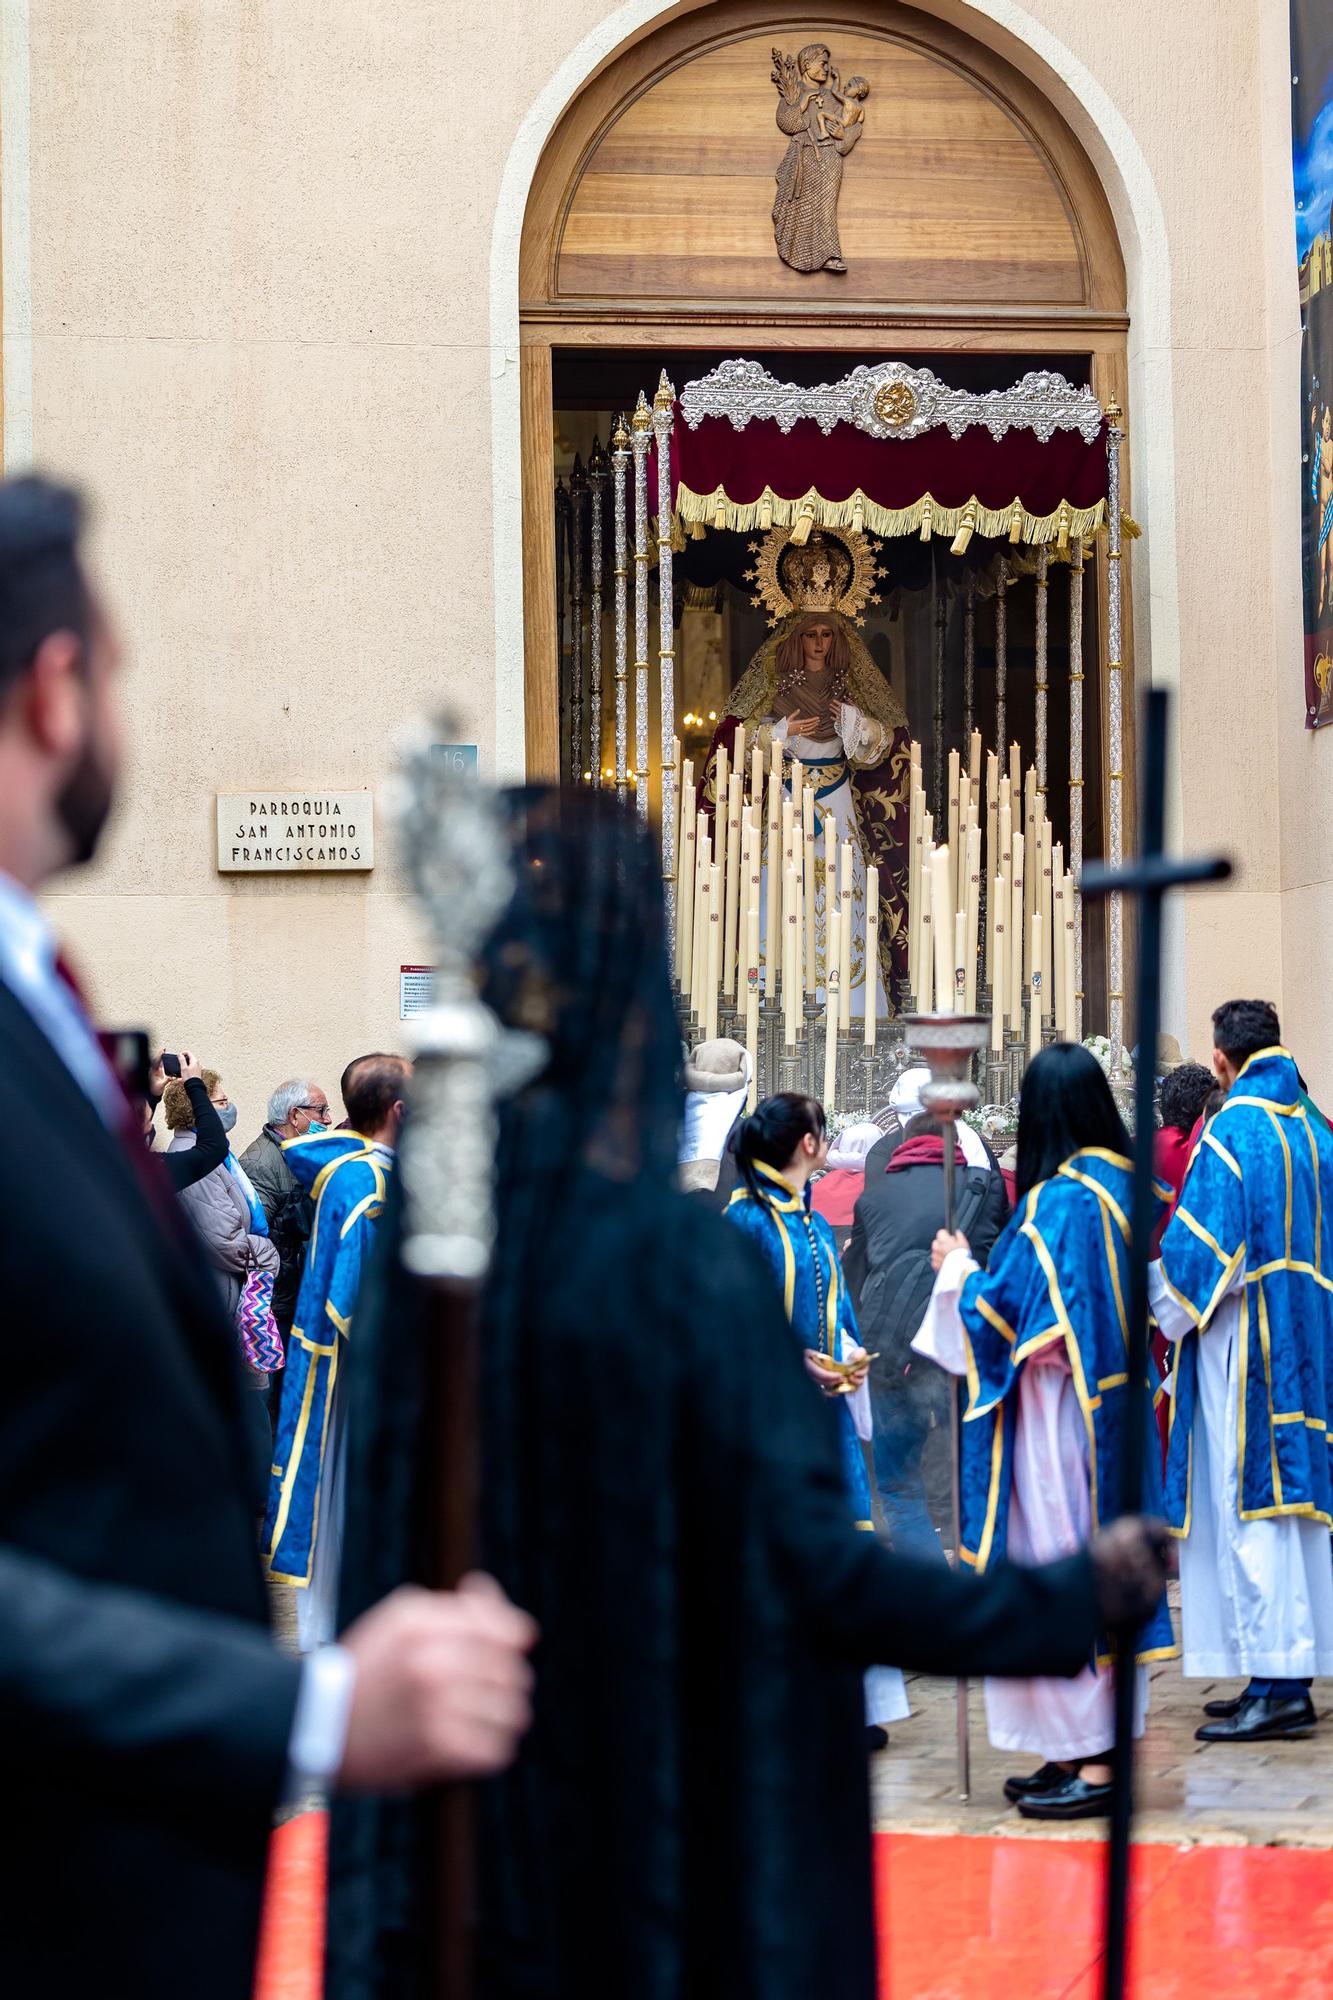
{"type": "Point", "coordinates": [1312, 165]}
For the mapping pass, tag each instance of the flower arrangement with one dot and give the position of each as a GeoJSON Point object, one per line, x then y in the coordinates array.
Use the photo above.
{"type": "Point", "coordinates": [997, 1123]}
{"type": "Point", "coordinates": [1100, 1046]}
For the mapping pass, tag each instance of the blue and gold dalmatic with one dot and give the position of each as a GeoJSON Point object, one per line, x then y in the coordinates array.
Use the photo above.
{"type": "Point", "coordinates": [348, 1179]}
{"type": "Point", "coordinates": [1059, 1273]}
{"type": "Point", "coordinates": [1255, 1194]}
{"type": "Point", "coordinates": [799, 1248]}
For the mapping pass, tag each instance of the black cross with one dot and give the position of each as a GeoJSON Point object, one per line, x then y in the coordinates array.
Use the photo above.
{"type": "Point", "coordinates": [1148, 880]}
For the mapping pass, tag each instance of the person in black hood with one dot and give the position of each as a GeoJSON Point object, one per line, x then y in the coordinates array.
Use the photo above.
{"type": "Point", "coordinates": [888, 1270]}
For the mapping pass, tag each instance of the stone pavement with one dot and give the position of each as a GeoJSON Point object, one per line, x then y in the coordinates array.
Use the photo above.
{"type": "Point", "coordinates": [1260, 1795]}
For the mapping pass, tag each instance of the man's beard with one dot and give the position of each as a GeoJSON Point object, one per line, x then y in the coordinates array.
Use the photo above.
{"type": "Point", "coordinates": [84, 803]}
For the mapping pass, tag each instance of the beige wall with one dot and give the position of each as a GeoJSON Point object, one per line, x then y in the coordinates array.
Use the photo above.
{"type": "Point", "coordinates": [264, 337]}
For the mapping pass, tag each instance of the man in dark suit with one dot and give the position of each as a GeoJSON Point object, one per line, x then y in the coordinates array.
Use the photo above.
{"type": "Point", "coordinates": [148, 1726]}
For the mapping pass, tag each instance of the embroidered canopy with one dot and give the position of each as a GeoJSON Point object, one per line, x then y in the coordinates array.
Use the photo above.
{"type": "Point", "coordinates": [892, 450]}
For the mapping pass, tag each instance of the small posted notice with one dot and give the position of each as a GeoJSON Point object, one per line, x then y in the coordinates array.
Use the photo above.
{"type": "Point", "coordinates": [416, 990]}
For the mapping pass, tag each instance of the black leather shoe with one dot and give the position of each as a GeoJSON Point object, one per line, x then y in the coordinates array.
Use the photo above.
{"type": "Point", "coordinates": [877, 1737]}
{"type": "Point", "coordinates": [1219, 1708]}
{"type": "Point", "coordinates": [1074, 1799]}
{"type": "Point", "coordinates": [1044, 1780]}
{"type": "Point", "coordinates": [1261, 1719]}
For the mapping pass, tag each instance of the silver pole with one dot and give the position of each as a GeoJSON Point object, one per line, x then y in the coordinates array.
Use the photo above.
{"type": "Point", "coordinates": [578, 509]}
{"type": "Point", "coordinates": [1076, 769]}
{"type": "Point", "coordinates": [969, 660]}
{"type": "Point", "coordinates": [663, 405]}
{"type": "Point", "coordinates": [598, 473]}
{"type": "Point", "coordinates": [1002, 676]}
{"type": "Point", "coordinates": [1041, 672]}
{"type": "Point", "coordinates": [620, 482]}
{"type": "Point", "coordinates": [1115, 743]}
{"type": "Point", "coordinates": [640, 427]}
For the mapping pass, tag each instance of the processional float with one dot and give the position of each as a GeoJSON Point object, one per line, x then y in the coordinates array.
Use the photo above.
{"type": "Point", "coordinates": [777, 932]}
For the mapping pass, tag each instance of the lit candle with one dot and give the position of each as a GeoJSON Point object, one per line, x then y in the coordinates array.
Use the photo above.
{"type": "Point", "coordinates": [872, 954]}
{"type": "Point", "coordinates": [1036, 1006]}
{"type": "Point", "coordinates": [714, 949]}
{"type": "Point", "coordinates": [845, 937]}
{"type": "Point", "coordinates": [1015, 776]}
{"type": "Point", "coordinates": [731, 932]}
{"type": "Point", "coordinates": [831, 1004]}
{"type": "Point", "coordinates": [942, 914]}
{"type": "Point", "coordinates": [998, 982]}
{"type": "Point", "coordinates": [972, 909]}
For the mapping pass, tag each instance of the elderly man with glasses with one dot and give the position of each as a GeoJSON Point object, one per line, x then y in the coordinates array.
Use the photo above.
{"type": "Point", "coordinates": [295, 1109]}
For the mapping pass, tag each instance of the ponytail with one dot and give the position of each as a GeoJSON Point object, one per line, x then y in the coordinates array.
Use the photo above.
{"type": "Point", "coordinates": [771, 1134]}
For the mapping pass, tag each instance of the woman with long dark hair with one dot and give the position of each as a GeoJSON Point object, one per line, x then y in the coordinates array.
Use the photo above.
{"type": "Point", "coordinates": [1041, 1337]}
{"type": "Point", "coordinates": [780, 1146]}
{"type": "Point", "coordinates": [662, 1489]}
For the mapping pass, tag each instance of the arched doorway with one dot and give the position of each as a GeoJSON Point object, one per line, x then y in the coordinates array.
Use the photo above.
{"type": "Point", "coordinates": [977, 238]}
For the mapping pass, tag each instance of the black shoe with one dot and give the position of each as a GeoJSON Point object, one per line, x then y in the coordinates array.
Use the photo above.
{"type": "Point", "coordinates": [1044, 1780]}
{"type": "Point", "coordinates": [1259, 1718]}
{"type": "Point", "coordinates": [877, 1738]}
{"type": "Point", "coordinates": [1220, 1708]}
{"type": "Point", "coordinates": [1074, 1799]}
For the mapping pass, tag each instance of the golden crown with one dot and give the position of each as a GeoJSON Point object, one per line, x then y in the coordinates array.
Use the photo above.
{"type": "Point", "coordinates": [834, 571]}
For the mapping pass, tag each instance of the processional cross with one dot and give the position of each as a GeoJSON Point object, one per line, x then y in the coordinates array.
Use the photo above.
{"type": "Point", "coordinates": [1147, 880]}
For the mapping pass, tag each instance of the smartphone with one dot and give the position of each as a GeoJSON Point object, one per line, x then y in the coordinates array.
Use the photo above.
{"type": "Point", "coordinates": [171, 1065]}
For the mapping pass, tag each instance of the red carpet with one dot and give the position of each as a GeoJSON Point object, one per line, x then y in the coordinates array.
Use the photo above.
{"type": "Point", "coordinates": [967, 1919]}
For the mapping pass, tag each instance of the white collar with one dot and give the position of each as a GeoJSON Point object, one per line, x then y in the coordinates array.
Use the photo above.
{"type": "Point", "coordinates": [26, 939]}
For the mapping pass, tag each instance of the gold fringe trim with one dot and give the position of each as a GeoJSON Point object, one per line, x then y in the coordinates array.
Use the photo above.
{"type": "Point", "coordinates": [925, 517]}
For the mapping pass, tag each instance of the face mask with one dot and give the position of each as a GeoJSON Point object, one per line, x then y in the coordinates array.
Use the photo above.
{"type": "Point", "coordinates": [228, 1117]}
{"type": "Point", "coordinates": [315, 1126]}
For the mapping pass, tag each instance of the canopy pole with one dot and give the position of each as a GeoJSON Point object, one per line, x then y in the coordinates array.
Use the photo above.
{"type": "Point", "coordinates": [1076, 774]}
{"type": "Point", "coordinates": [561, 543]}
{"type": "Point", "coordinates": [1041, 674]}
{"type": "Point", "coordinates": [969, 658]}
{"type": "Point", "coordinates": [640, 426]}
{"type": "Point", "coordinates": [620, 479]}
{"type": "Point", "coordinates": [578, 511]}
{"type": "Point", "coordinates": [1002, 675]}
{"type": "Point", "coordinates": [598, 472]}
{"type": "Point", "coordinates": [1115, 746]}
{"type": "Point", "coordinates": [663, 405]}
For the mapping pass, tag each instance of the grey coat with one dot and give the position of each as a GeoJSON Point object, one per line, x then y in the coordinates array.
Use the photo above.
{"type": "Point", "coordinates": [220, 1212]}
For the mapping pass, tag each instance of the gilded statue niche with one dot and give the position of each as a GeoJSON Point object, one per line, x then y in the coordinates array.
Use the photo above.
{"type": "Point", "coordinates": [823, 118]}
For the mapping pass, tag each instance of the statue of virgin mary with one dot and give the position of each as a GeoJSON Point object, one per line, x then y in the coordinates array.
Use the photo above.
{"type": "Point", "coordinates": [813, 687]}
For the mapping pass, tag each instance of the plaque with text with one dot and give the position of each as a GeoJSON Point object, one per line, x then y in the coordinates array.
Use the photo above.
{"type": "Point", "coordinates": [286, 832]}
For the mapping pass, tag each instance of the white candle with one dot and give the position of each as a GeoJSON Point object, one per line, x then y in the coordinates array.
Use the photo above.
{"type": "Point", "coordinates": [960, 962]}
{"type": "Point", "coordinates": [714, 949]}
{"type": "Point", "coordinates": [974, 759]}
{"type": "Point", "coordinates": [830, 886]}
{"type": "Point", "coordinates": [942, 915]}
{"type": "Point", "coordinates": [738, 752]}
{"type": "Point", "coordinates": [791, 960]}
{"type": "Point", "coordinates": [809, 968]}
{"type": "Point", "coordinates": [917, 806]}
{"type": "Point", "coordinates": [972, 912]}
{"type": "Point", "coordinates": [757, 779]}
{"type": "Point", "coordinates": [951, 835]}
{"type": "Point", "coordinates": [731, 932]}
{"type": "Point", "coordinates": [999, 892]}
{"type": "Point", "coordinates": [1047, 935]}
{"type": "Point", "coordinates": [925, 951]}
{"type": "Point", "coordinates": [1071, 932]}
{"type": "Point", "coordinates": [831, 1006]}
{"type": "Point", "coordinates": [1017, 926]}
{"type": "Point", "coordinates": [845, 910]}
{"type": "Point", "coordinates": [685, 901]}
{"type": "Point", "coordinates": [702, 898]}
{"type": "Point", "coordinates": [753, 881]}
{"type": "Point", "coordinates": [1036, 1007]}
{"type": "Point", "coordinates": [992, 852]}
{"type": "Point", "coordinates": [721, 831]}
{"type": "Point", "coordinates": [872, 954]}
{"type": "Point", "coordinates": [1057, 952]}
{"type": "Point", "coordinates": [773, 900]}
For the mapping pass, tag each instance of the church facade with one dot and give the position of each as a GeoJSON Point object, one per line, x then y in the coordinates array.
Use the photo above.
{"type": "Point", "coordinates": [323, 308]}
